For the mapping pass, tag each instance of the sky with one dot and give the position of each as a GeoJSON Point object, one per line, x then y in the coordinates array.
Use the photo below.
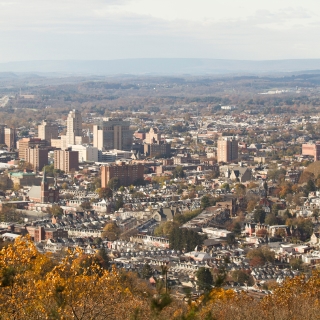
{"type": "Point", "coordinates": [122, 29]}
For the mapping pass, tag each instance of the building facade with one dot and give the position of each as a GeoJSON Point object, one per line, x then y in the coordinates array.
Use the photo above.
{"type": "Point", "coordinates": [47, 131]}
{"type": "Point", "coordinates": [114, 133]}
{"type": "Point", "coordinates": [86, 153]}
{"type": "Point", "coordinates": [38, 157]}
{"type": "Point", "coordinates": [311, 149]}
{"type": "Point", "coordinates": [10, 138]}
{"type": "Point", "coordinates": [127, 173]}
{"type": "Point", "coordinates": [66, 160]}
{"type": "Point", "coordinates": [25, 143]}
{"type": "Point", "coordinates": [74, 130]}
{"type": "Point", "coordinates": [153, 136]}
{"type": "Point", "coordinates": [227, 149]}
{"type": "Point", "coordinates": [157, 149]}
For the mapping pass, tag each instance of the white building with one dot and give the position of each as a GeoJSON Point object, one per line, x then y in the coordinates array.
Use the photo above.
{"type": "Point", "coordinates": [86, 153]}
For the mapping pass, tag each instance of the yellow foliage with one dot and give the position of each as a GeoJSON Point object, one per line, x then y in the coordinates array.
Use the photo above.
{"type": "Point", "coordinates": [33, 286]}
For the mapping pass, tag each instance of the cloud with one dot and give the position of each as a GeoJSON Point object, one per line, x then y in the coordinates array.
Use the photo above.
{"type": "Point", "coordinates": [102, 29]}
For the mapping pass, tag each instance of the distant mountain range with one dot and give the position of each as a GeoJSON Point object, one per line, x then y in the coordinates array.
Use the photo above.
{"type": "Point", "coordinates": [161, 66]}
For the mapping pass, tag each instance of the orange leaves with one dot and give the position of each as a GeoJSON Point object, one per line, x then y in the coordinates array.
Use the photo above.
{"type": "Point", "coordinates": [32, 286]}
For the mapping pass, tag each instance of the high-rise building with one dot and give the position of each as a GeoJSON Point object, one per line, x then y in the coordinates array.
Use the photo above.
{"type": "Point", "coordinates": [112, 134]}
{"type": "Point", "coordinates": [38, 157]}
{"type": "Point", "coordinates": [127, 173]}
{"type": "Point", "coordinates": [10, 138]}
{"type": "Point", "coordinates": [227, 149]}
{"type": "Point", "coordinates": [66, 160]}
{"type": "Point", "coordinates": [74, 130]}
{"type": "Point", "coordinates": [2, 133]}
{"type": "Point", "coordinates": [153, 136]}
{"type": "Point", "coordinates": [25, 143]}
{"type": "Point", "coordinates": [47, 131]}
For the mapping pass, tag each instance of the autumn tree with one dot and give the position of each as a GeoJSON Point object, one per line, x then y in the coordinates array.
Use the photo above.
{"type": "Point", "coordinates": [111, 231]}
{"type": "Point", "coordinates": [55, 210]}
{"type": "Point", "coordinates": [105, 193]}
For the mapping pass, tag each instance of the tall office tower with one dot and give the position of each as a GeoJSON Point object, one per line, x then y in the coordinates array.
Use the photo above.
{"type": "Point", "coordinates": [66, 160]}
{"type": "Point", "coordinates": [74, 130]}
{"type": "Point", "coordinates": [112, 134]}
{"type": "Point", "coordinates": [10, 138]}
{"type": "Point", "coordinates": [25, 143]}
{"type": "Point", "coordinates": [47, 131]}
{"type": "Point", "coordinates": [153, 136]}
{"type": "Point", "coordinates": [227, 149]}
{"type": "Point", "coordinates": [38, 157]}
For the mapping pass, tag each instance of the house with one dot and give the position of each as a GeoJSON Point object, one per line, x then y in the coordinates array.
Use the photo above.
{"type": "Point", "coordinates": [315, 238]}
{"type": "Point", "coordinates": [241, 174]}
{"type": "Point", "coordinates": [165, 214]}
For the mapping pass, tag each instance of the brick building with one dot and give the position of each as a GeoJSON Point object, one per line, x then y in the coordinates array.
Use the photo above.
{"type": "Point", "coordinates": [127, 173]}
{"type": "Point", "coordinates": [66, 160]}
{"type": "Point", "coordinates": [227, 149]}
{"type": "Point", "coordinates": [311, 149]}
{"type": "Point", "coordinates": [10, 138]}
{"type": "Point", "coordinates": [41, 233]}
{"type": "Point", "coordinates": [38, 157]}
{"type": "Point", "coordinates": [47, 131]}
{"type": "Point", "coordinates": [157, 149]}
{"type": "Point", "coordinates": [25, 143]}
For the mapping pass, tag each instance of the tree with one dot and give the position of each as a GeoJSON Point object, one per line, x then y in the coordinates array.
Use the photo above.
{"type": "Point", "coordinates": [24, 165]}
{"type": "Point", "coordinates": [296, 263]}
{"type": "Point", "coordinates": [225, 186]}
{"type": "Point", "coordinates": [86, 205]}
{"type": "Point", "coordinates": [146, 271]}
{"type": "Point", "coordinates": [103, 257]}
{"type": "Point", "coordinates": [204, 278]}
{"type": "Point", "coordinates": [178, 172]}
{"type": "Point", "coordinates": [114, 183]}
{"type": "Point", "coordinates": [119, 203]}
{"type": "Point", "coordinates": [236, 228]}
{"type": "Point", "coordinates": [111, 231]}
{"type": "Point", "coordinates": [242, 277]}
{"type": "Point", "coordinates": [205, 202]}
{"type": "Point", "coordinates": [240, 190]}
{"type": "Point", "coordinates": [260, 256]}
{"type": "Point", "coordinates": [310, 186]}
{"type": "Point", "coordinates": [105, 193]}
{"type": "Point", "coordinates": [51, 171]}
{"type": "Point", "coordinates": [271, 219]}
{"type": "Point", "coordinates": [55, 210]}
{"type": "Point", "coordinates": [251, 205]}
{"type": "Point", "coordinates": [259, 215]}
{"type": "Point", "coordinates": [231, 239]}
{"type": "Point", "coordinates": [184, 239]}
{"type": "Point", "coordinates": [64, 185]}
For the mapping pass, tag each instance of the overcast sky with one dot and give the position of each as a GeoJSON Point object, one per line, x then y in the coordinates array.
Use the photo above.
{"type": "Point", "coordinates": [117, 29]}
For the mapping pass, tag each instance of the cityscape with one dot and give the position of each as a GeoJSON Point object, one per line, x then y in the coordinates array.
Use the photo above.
{"type": "Point", "coordinates": [159, 160]}
{"type": "Point", "coordinates": [230, 189]}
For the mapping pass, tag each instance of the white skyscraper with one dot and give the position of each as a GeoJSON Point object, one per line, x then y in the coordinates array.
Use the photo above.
{"type": "Point", "coordinates": [74, 130]}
